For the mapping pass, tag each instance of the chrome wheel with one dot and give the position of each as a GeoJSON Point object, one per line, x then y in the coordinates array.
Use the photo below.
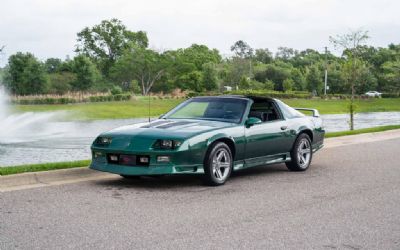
{"type": "Point", "coordinates": [304, 153]}
{"type": "Point", "coordinates": [221, 164]}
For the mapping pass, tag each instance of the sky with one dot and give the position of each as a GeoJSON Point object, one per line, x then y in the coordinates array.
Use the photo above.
{"type": "Point", "coordinates": [48, 28]}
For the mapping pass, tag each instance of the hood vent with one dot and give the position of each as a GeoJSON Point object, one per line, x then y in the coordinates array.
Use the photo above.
{"type": "Point", "coordinates": [154, 124]}
{"type": "Point", "coordinates": [165, 124]}
{"type": "Point", "coordinates": [174, 124]}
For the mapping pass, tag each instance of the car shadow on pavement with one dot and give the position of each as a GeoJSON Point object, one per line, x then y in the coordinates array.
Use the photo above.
{"type": "Point", "coordinates": [188, 180]}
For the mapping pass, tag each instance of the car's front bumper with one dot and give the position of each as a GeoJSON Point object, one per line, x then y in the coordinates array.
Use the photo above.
{"type": "Point", "coordinates": [147, 170]}
{"type": "Point", "coordinates": [181, 162]}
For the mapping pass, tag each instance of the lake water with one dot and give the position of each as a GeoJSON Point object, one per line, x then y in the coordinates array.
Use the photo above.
{"type": "Point", "coordinates": [37, 138]}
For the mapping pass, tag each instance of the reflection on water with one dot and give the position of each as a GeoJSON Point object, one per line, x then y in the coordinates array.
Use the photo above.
{"type": "Point", "coordinates": [38, 138]}
{"type": "Point", "coordinates": [51, 141]}
{"type": "Point", "coordinates": [340, 122]}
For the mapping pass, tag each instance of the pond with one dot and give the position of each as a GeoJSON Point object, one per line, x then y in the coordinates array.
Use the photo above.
{"type": "Point", "coordinates": [38, 138]}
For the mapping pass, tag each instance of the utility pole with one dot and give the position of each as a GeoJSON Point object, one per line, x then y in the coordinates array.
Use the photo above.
{"type": "Point", "coordinates": [326, 70]}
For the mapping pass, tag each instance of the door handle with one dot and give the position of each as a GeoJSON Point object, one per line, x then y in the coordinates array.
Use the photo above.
{"type": "Point", "coordinates": [283, 127]}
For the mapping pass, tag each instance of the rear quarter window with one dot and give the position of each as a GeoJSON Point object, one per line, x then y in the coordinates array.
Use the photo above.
{"type": "Point", "coordinates": [287, 111]}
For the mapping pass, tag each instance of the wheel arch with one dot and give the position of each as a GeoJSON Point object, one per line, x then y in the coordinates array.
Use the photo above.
{"type": "Point", "coordinates": [229, 141]}
{"type": "Point", "coordinates": [306, 131]}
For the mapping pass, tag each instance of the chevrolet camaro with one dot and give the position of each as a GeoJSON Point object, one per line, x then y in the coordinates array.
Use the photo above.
{"type": "Point", "coordinates": [212, 136]}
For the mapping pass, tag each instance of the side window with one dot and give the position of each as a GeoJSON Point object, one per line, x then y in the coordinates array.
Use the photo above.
{"type": "Point", "coordinates": [264, 110]}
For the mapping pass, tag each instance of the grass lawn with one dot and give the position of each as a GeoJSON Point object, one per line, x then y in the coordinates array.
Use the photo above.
{"type": "Point", "coordinates": [42, 167]}
{"type": "Point", "coordinates": [107, 110]}
{"type": "Point", "coordinates": [139, 108]}
{"type": "Point", "coordinates": [362, 131]}
{"type": "Point", "coordinates": [341, 106]}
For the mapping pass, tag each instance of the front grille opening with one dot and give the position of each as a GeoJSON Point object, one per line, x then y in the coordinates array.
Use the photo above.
{"type": "Point", "coordinates": [128, 160]}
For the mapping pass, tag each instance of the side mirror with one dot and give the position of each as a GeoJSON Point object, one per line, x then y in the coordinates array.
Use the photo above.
{"type": "Point", "coordinates": [161, 116]}
{"type": "Point", "coordinates": [252, 121]}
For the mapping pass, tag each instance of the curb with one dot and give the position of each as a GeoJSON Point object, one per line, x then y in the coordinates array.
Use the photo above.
{"type": "Point", "coordinates": [361, 138]}
{"type": "Point", "coordinates": [51, 177]}
{"type": "Point", "coordinates": [72, 175]}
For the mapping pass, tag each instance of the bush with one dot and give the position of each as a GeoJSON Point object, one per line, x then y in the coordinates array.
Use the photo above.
{"type": "Point", "coordinates": [390, 95]}
{"type": "Point", "coordinates": [67, 100]}
{"type": "Point", "coordinates": [116, 90]}
{"type": "Point", "coordinates": [273, 94]}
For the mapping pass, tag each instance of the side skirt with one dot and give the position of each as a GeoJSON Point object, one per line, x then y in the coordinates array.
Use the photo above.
{"type": "Point", "coordinates": [264, 160]}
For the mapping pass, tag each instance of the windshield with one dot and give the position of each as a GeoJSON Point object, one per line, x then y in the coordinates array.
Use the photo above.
{"type": "Point", "coordinates": [213, 108]}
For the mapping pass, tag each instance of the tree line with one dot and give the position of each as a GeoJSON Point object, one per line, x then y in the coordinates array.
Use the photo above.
{"type": "Point", "coordinates": [111, 57]}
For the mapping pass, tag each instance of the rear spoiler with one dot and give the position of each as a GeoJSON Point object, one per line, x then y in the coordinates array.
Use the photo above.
{"type": "Point", "coordinates": [314, 111]}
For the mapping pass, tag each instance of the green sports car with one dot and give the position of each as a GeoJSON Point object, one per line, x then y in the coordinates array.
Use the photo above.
{"type": "Point", "coordinates": [212, 136]}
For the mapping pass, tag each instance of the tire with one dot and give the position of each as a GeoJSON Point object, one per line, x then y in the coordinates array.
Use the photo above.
{"type": "Point", "coordinates": [218, 164]}
{"type": "Point", "coordinates": [301, 154]}
{"type": "Point", "coordinates": [130, 177]}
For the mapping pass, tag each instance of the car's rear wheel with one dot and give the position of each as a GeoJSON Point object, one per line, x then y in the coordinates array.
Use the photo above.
{"type": "Point", "coordinates": [218, 164]}
{"type": "Point", "coordinates": [301, 154]}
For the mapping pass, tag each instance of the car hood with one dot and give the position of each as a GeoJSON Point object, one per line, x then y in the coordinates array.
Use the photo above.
{"type": "Point", "coordinates": [168, 129]}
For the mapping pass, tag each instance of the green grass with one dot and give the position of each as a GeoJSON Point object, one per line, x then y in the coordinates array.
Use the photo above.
{"type": "Point", "coordinates": [107, 110]}
{"type": "Point", "coordinates": [42, 167]}
{"type": "Point", "coordinates": [362, 131]}
{"type": "Point", "coordinates": [75, 164]}
{"type": "Point", "coordinates": [341, 106]}
{"type": "Point", "coordinates": [139, 108]}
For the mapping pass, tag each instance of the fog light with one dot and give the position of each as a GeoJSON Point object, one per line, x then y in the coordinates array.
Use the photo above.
{"type": "Point", "coordinates": [162, 158]}
{"type": "Point", "coordinates": [144, 159]}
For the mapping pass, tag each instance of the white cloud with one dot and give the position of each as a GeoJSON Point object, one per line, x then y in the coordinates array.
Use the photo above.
{"type": "Point", "coordinates": [48, 28]}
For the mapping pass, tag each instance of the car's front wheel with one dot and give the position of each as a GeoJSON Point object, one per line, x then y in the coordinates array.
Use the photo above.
{"type": "Point", "coordinates": [301, 154]}
{"type": "Point", "coordinates": [218, 164]}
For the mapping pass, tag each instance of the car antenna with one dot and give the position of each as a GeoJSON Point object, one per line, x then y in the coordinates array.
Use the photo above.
{"type": "Point", "coordinates": [149, 104]}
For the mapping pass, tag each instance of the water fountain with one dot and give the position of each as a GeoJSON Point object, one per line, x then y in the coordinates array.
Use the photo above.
{"type": "Point", "coordinates": [26, 126]}
{"type": "Point", "coordinates": [37, 137]}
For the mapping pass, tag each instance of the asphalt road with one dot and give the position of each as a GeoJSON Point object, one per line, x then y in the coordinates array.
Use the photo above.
{"type": "Point", "coordinates": [348, 199]}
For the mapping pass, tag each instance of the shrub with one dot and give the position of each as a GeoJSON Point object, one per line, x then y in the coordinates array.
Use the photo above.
{"type": "Point", "coordinates": [273, 94]}
{"type": "Point", "coordinates": [116, 90]}
{"type": "Point", "coordinates": [390, 95]}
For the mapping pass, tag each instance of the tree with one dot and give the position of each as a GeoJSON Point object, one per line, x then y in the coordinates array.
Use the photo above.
{"type": "Point", "coordinates": [141, 64]}
{"type": "Point", "coordinates": [277, 73]}
{"type": "Point", "coordinates": [351, 45]}
{"type": "Point", "coordinates": [236, 70]}
{"type": "Point", "coordinates": [193, 81]}
{"type": "Point", "coordinates": [287, 85]}
{"type": "Point", "coordinates": [314, 79]}
{"type": "Point", "coordinates": [184, 61]}
{"type": "Point", "coordinates": [210, 77]}
{"type": "Point", "coordinates": [244, 83]}
{"type": "Point", "coordinates": [299, 81]}
{"type": "Point", "coordinates": [264, 56]}
{"type": "Point", "coordinates": [105, 42]}
{"type": "Point", "coordinates": [392, 75]}
{"type": "Point", "coordinates": [199, 55]}
{"type": "Point", "coordinates": [242, 49]}
{"type": "Point", "coordinates": [52, 65]}
{"type": "Point", "coordinates": [25, 75]}
{"type": "Point", "coordinates": [61, 83]}
{"type": "Point", "coordinates": [285, 53]}
{"type": "Point", "coordinates": [87, 75]}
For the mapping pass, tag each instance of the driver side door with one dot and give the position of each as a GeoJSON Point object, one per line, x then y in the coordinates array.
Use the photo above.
{"type": "Point", "coordinates": [266, 141]}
